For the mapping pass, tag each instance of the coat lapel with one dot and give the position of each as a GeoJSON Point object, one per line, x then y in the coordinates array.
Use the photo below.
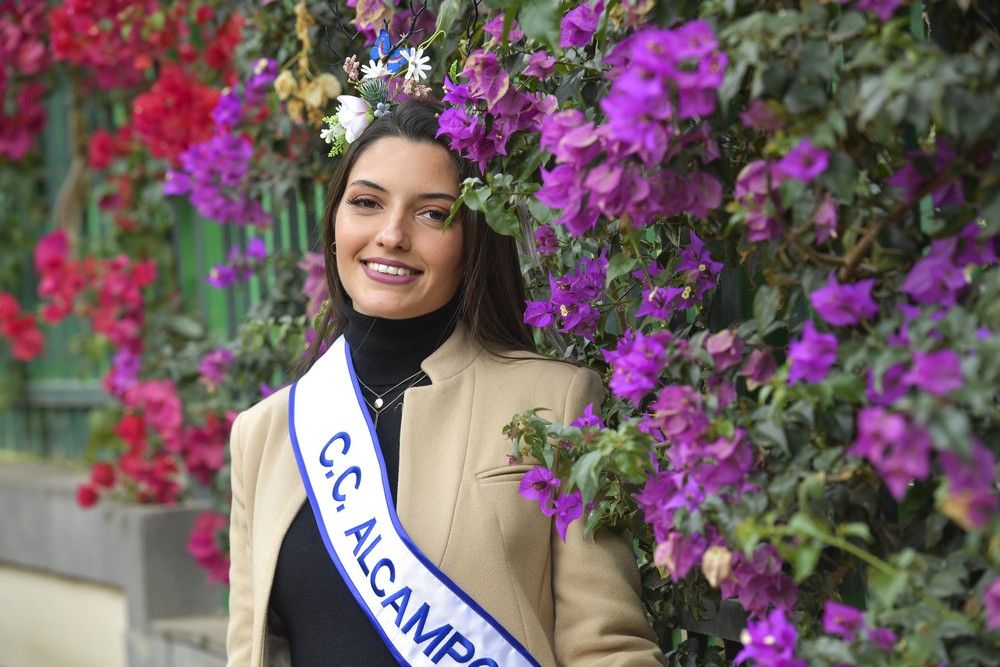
{"type": "Point", "coordinates": [431, 466]}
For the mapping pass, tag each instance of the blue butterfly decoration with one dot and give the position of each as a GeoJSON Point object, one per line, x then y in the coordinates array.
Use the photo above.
{"type": "Point", "coordinates": [383, 46]}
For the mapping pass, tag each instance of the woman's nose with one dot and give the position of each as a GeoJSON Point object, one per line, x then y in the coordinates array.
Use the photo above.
{"type": "Point", "coordinates": [393, 233]}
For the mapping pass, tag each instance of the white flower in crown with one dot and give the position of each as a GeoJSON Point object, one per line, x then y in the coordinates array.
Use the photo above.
{"type": "Point", "coordinates": [328, 135]}
{"type": "Point", "coordinates": [354, 114]}
{"type": "Point", "coordinates": [419, 64]}
{"type": "Point", "coordinates": [374, 69]}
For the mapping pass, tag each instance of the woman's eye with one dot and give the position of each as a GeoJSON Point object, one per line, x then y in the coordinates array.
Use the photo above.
{"type": "Point", "coordinates": [435, 216]}
{"type": "Point", "coordinates": [362, 202]}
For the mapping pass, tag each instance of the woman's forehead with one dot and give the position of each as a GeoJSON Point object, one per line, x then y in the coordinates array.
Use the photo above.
{"type": "Point", "coordinates": [395, 163]}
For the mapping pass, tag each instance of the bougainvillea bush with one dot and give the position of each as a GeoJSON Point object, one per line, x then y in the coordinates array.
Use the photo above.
{"type": "Point", "coordinates": [772, 226]}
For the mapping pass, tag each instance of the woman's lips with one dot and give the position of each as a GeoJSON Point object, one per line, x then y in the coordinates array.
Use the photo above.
{"type": "Point", "coordinates": [388, 278]}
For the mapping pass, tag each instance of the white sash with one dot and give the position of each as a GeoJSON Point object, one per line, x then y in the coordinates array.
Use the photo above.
{"type": "Point", "coordinates": [423, 617]}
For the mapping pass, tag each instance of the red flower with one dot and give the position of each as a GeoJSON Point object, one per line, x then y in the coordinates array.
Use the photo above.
{"type": "Point", "coordinates": [175, 113]}
{"type": "Point", "coordinates": [25, 338]}
{"type": "Point", "coordinates": [103, 475]}
{"type": "Point", "coordinates": [203, 545]}
{"type": "Point", "coordinates": [86, 495]}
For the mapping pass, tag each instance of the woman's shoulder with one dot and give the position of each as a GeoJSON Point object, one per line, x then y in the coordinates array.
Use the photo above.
{"type": "Point", "coordinates": [531, 370]}
{"type": "Point", "coordinates": [266, 413]}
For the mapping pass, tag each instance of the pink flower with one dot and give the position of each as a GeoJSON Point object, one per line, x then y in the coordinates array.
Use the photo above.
{"type": "Point", "coordinates": [203, 545]}
{"type": "Point", "coordinates": [725, 348]}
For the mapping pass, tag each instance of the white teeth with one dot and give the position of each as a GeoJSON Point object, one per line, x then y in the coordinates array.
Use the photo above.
{"type": "Point", "coordinates": [390, 270]}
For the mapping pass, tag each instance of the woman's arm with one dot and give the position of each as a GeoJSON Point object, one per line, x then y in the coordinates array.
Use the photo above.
{"type": "Point", "coordinates": [599, 615]}
{"type": "Point", "coordinates": [240, 631]}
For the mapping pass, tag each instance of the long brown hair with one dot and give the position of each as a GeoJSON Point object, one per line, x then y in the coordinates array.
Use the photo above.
{"type": "Point", "coordinates": [492, 288]}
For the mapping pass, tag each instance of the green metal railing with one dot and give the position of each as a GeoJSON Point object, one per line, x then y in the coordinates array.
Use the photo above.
{"type": "Point", "coordinates": [45, 405]}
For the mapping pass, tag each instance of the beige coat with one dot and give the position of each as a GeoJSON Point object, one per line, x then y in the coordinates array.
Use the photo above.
{"type": "Point", "coordinates": [572, 603]}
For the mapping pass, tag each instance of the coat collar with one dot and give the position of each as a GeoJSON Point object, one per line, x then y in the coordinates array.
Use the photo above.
{"type": "Point", "coordinates": [455, 355]}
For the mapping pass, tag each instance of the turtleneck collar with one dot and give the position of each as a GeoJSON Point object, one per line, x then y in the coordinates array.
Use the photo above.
{"type": "Point", "coordinates": [386, 351]}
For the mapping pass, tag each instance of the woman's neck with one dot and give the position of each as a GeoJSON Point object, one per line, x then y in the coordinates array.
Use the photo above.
{"type": "Point", "coordinates": [386, 351]}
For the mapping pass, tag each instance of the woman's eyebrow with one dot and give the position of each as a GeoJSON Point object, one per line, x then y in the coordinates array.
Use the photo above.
{"type": "Point", "coordinates": [426, 195]}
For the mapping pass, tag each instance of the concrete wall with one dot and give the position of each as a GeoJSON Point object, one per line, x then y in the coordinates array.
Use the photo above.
{"type": "Point", "coordinates": [47, 620]}
{"type": "Point", "coordinates": [124, 567]}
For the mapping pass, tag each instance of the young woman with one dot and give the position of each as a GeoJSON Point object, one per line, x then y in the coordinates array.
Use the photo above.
{"type": "Point", "coordinates": [375, 517]}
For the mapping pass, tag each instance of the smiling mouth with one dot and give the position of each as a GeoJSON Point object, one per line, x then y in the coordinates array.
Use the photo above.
{"type": "Point", "coordinates": [390, 270]}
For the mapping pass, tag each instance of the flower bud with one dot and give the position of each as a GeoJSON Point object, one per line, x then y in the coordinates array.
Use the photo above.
{"type": "Point", "coordinates": [716, 565]}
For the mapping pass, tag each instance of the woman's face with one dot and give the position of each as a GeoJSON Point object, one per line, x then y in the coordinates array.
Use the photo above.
{"type": "Point", "coordinates": [394, 256]}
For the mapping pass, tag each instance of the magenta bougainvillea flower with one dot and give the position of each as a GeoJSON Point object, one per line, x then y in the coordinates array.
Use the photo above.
{"type": "Point", "coordinates": [992, 604]}
{"type": "Point", "coordinates": [824, 220]}
{"type": "Point", "coordinates": [770, 642]}
{"type": "Point", "coordinates": [812, 355]}
{"type": "Point", "coordinates": [540, 485]}
{"type": "Point", "coordinates": [759, 115]}
{"type": "Point", "coordinates": [840, 619]}
{"type": "Point", "coordinates": [679, 553]}
{"type": "Point", "coordinates": [659, 302]}
{"type": "Point", "coordinates": [759, 367]}
{"type": "Point", "coordinates": [636, 363]}
{"type": "Point", "coordinates": [921, 168]}
{"type": "Point", "coordinates": [935, 278]}
{"type": "Point", "coordinates": [759, 583]}
{"type": "Point", "coordinates": [588, 419]}
{"type": "Point", "coordinates": [494, 29]}
{"type": "Point", "coordinates": [883, 638]}
{"type": "Point", "coordinates": [891, 387]}
{"type": "Point", "coordinates": [568, 508]}
{"type": "Point", "coordinates": [897, 449]}
{"type": "Point", "coordinates": [540, 65]}
{"type": "Point", "coordinates": [578, 25]}
{"type": "Point", "coordinates": [546, 241]}
{"type": "Point", "coordinates": [844, 304]}
{"type": "Point", "coordinates": [214, 366]}
{"type": "Point", "coordinates": [572, 305]}
{"type": "Point", "coordinates": [804, 162]}
{"type": "Point", "coordinates": [971, 486]}
{"type": "Point", "coordinates": [678, 415]}
{"type": "Point", "coordinates": [938, 373]}
{"type": "Point", "coordinates": [725, 348]}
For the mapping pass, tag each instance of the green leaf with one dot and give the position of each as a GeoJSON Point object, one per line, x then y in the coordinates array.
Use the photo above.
{"type": "Point", "coordinates": [448, 13]}
{"type": "Point", "coordinates": [476, 199]}
{"type": "Point", "coordinates": [501, 218]}
{"type": "Point", "coordinates": [618, 266]}
{"type": "Point", "coordinates": [186, 326]}
{"type": "Point", "coordinates": [539, 20]}
{"type": "Point", "coordinates": [585, 475]}
{"type": "Point", "coordinates": [765, 306]}
{"type": "Point", "coordinates": [540, 212]}
{"type": "Point", "coordinates": [887, 587]}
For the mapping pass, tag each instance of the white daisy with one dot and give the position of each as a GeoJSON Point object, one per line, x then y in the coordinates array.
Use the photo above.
{"type": "Point", "coordinates": [419, 64]}
{"type": "Point", "coordinates": [374, 70]}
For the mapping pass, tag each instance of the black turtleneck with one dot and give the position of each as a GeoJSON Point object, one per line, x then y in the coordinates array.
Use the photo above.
{"type": "Point", "coordinates": [315, 610]}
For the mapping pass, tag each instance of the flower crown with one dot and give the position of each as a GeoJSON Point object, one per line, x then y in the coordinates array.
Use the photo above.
{"type": "Point", "coordinates": [378, 86]}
